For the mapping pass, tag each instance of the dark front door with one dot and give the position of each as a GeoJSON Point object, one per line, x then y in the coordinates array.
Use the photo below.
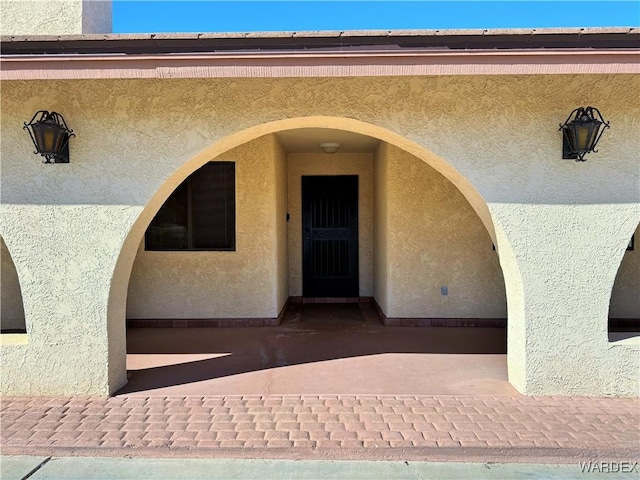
{"type": "Point", "coordinates": [330, 236]}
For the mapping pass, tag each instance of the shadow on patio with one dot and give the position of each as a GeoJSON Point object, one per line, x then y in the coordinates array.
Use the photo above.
{"type": "Point", "coordinates": [318, 349]}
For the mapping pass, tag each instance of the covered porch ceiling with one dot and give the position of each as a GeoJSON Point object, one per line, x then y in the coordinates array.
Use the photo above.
{"type": "Point", "coordinates": [308, 140]}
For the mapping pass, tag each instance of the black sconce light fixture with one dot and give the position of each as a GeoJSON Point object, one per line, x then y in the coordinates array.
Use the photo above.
{"type": "Point", "coordinates": [50, 136]}
{"type": "Point", "coordinates": [581, 132]}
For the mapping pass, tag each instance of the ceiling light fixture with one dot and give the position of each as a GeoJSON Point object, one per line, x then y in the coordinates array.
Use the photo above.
{"type": "Point", "coordinates": [330, 147]}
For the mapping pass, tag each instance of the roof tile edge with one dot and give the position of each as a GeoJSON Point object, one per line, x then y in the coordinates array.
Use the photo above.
{"type": "Point", "coordinates": [328, 34]}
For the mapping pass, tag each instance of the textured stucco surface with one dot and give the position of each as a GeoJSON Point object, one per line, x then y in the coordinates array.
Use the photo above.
{"type": "Point", "coordinates": [282, 229]}
{"type": "Point", "coordinates": [563, 296]}
{"type": "Point", "coordinates": [560, 227]}
{"type": "Point", "coordinates": [381, 226]}
{"type": "Point", "coordinates": [65, 256]}
{"type": "Point", "coordinates": [55, 17]}
{"type": "Point", "coordinates": [238, 284]}
{"type": "Point", "coordinates": [434, 239]}
{"type": "Point", "coordinates": [12, 312]}
{"type": "Point", "coordinates": [360, 164]}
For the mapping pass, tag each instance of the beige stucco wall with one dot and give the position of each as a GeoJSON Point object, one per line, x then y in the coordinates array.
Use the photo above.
{"type": "Point", "coordinates": [12, 312]}
{"type": "Point", "coordinates": [239, 284]}
{"type": "Point", "coordinates": [360, 164]}
{"type": "Point", "coordinates": [55, 17]}
{"type": "Point", "coordinates": [561, 226]}
{"type": "Point", "coordinates": [625, 298]}
{"type": "Point", "coordinates": [65, 257]}
{"type": "Point", "coordinates": [433, 239]}
{"type": "Point", "coordinates": [282, 230]}
{"type": "Point", "coordinates": [381, 227]}
{"type": "Point", "coordinates": [559, 299]}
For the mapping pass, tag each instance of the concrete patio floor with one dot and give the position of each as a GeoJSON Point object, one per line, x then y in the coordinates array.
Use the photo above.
{"type": "Point", "coordinates": [331, 383]}
{"type": "Point", "coordinates": [318, 349]}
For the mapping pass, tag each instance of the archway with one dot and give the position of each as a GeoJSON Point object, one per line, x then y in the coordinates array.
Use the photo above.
{"type": "Point", "coordinates": [401, 144]}
{"type": "Point", "coordinates": [624, 306]}
{"type": "Point", "coordinates": [12, 319]}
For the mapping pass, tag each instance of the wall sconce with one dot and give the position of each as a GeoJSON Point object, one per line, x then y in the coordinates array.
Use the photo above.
{"type": "Point", "coordinates": [50, 136]}
{"type": "Point", "coordinates": [581, 132]}
{"type": "Point", "coordinates": [330, 147]}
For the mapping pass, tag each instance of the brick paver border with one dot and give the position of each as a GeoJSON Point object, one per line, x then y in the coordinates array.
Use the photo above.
{"type": "Point", "coordinates": [341, 426]}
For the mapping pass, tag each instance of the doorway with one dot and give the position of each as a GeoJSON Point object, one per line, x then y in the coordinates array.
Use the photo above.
{"type": "Point", "coordinates": [330, 236]}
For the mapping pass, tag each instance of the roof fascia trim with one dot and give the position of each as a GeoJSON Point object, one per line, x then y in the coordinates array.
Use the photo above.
{"type": "Point", "coordinates": [321, 64]}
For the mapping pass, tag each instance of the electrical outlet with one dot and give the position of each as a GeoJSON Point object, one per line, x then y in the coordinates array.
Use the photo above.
{"type": "Point", "coordinates": [444, 290]}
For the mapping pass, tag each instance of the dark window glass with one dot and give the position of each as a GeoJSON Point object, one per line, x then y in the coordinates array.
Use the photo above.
{"type": "Point", "coordinates": [200, 214]}
{"type": "Point", "coordinates": [213, 207]}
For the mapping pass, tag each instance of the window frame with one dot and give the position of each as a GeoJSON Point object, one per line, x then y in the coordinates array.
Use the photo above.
{"type": "Point", "coordinates": [190, 247]}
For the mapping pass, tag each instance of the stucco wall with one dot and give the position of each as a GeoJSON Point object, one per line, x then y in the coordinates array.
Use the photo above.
{"type": "Point", "coordinates": [238, 284]}
{"type": "Point", "coordinates": [561, 226]}
{"type": "Point", "coordinates": [434, 240]}
{"type": "Point", "coordinates": [559, 297]}
{"type": "Point", "coordinates": [132, 116]}
{"type": "Point", "coordinates": [625, 298]}
{"type": "Point", "coordinates": [12, 311]}
{"type": "Point", "coordinates": [381, 227]}
{"type": "Point", "coordinates": [360, 164]}
{"type": "Point", "coordinates": [282, 241]}
{"type": "Point", "coordinates": [55, 17]}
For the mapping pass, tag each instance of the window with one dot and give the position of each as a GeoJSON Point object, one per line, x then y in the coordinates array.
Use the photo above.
{"type": "Point", "coordinates": [200, 214]}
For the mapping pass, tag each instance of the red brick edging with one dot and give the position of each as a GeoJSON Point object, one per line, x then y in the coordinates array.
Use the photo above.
{"type": "Point", "coordinates": [300, 424]}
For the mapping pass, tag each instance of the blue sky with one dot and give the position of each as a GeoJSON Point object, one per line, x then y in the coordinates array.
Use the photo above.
{"type": "Point", "coordinates": [149, 16]}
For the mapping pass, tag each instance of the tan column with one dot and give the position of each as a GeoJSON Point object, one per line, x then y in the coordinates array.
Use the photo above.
{"type": "Point", "coordinates": [65, 257]}
{"type": "Point", "coordinates": [560, 262]}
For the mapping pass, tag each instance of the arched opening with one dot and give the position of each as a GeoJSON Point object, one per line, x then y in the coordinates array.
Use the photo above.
{"type": "Point", "coordinates": [424, 252]}
{"type": "Point", "coordinates": [12, 316]}
{"type": "Point", "coordinates": [624, 306]}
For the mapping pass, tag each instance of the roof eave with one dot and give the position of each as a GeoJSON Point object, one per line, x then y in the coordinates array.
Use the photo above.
{"type": "Point", "coordinates": [325, 63]}
{"type": "Point", "coordinates": [618, 37]}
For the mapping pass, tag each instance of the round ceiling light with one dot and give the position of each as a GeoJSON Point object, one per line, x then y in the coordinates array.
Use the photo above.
{"type": "Point", "coordinates": [330, 147]}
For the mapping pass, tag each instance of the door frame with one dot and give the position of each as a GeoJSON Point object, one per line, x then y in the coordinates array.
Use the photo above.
{"type": "Point", "coordinates": [351, 287]}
